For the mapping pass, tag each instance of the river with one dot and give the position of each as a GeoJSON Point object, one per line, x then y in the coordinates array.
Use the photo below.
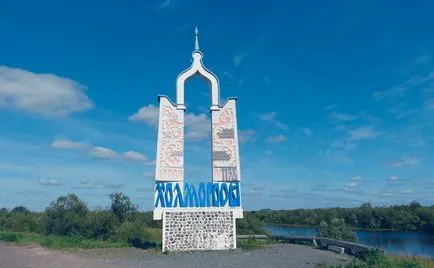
{"type": "Point", "coordinates": [393, 242]}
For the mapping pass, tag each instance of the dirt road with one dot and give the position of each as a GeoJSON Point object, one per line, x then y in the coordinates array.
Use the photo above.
{"type": "Point", "coordinates": [283, 255]}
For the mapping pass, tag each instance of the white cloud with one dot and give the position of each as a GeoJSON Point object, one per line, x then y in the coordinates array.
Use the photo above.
{"type": "Point", "coordinates": [357, 178]}
{"type": "Point", "coordinates": [239, 58]}
{"type": "Point", "coordinates": [281, 125]}
{"type": "Point", "coordinates": [101, 152]}
{"type": "Point", "coordinates": [269, 117]}
{"type": "Point", "coordinates": [424, 58]}
{"type": "Point", "coordinates": [90, 185]}
{"type": "Point", "coordinates": [388, 193]}
{"type": "Point", "coordinates": [276, 139]}
{"type": "Point", "coordinates": [272, 118]}
{"type": "Point", "coordinates": [43, 94]}
{"type": "Point", "coordinates": [352, 184]}
{"type": "Point", "coordinates": [147, 114]}
{"type": "Point", "coordinates": [330, 107]}
{"type": "Point", "coordinates": [66, 144]}
{"type": "Point", "coordinates": [393, 178]}
{"type": "Point", "coordinates": [345, 146]}
{"type": "Point", "coordinates": [307, 132]}
{"type": "Point", "coordinates": [407, 162]}
{"type": "Point", "coordinates": [228, 75]}
{"type": "Point", "coordinates": [185, 27]}
{"type": "Point", "coordinates": [246, 135]}
{"type": "Point", "coordinates": [135, 156]}
{"type": "Point", "coordinates": [366, 132]}
{"type": "Point", "coordinates": [198, 127]}
{"type": "Point", "coordinates": [350, 187]}
{"type": "Point", "coordinates": [49, 182]}
{"type": "Point", "coordinates": [399, 90]}
{"type": "Point", "coordinates": [335, 156]}
{"type": "Point", "coordinates": [407, 191]}
{"type": "Point", "coordinates": [339, 117]}
{"type": "Point", "coordinates": [150, 163]}
{"type": "Point", "coordinates": [148, 174]}
{"type": "Point", "coordinates": [338, 152]}
{"type": "Point", "coordinates": [165, 4]}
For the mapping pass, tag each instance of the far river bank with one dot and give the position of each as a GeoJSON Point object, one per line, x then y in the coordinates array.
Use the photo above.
{"type": "Point", "coordinates": [392, 242]}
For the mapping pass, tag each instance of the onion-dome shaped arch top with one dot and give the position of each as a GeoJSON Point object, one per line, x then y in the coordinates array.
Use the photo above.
{"type": "Point", "coordinates": [197, 67]}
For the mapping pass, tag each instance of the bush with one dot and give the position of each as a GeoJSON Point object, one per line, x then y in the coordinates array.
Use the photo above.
{"type": "Point", "coordinates": [377, 258]}
{"type": "Point", "coordinates": [250, 244]}
{"type": "Point", "coordinates": [250, 224]}
{"type": "Point", "coordinates": [22, 222]}
{"type": "Point", "coordinates": [100, 224]}
{"type": "Point", "coordinates": [135, 234]}
{"type": "Point", "coordinates": [336, 229]}
{"type": "Point", "coordinates": [8, 237]}
{"type": "Point", "coordinates": [66, 216]}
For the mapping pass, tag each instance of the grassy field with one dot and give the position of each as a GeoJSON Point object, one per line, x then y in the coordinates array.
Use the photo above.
{"type": "Point", "coordinates": [57, 242]}
{"type": "Point", "coordinates": [421, 261]}
{"type": "Point", "coordinates": [377, 259]}
{"type": "Point", "coordinates": [65, 242]}
{"type": "Point", "coordinates": [249, 244]}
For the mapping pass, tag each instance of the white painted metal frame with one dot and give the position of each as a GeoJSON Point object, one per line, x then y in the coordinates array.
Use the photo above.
{"type": "Point", "coordinates": [197, 67]}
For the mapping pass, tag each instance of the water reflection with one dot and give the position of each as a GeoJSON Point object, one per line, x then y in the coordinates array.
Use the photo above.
{"type": "Point", "coordinates": [396, 243]}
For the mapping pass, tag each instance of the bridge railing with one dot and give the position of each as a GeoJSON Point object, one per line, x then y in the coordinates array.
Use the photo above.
{"type": "Point", "coordinates": [349, 248]}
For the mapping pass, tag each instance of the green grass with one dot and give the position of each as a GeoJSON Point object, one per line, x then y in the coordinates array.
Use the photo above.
{"type": "Point", "coordinates": [57, 242]}
{"type": "Point", "coordinates": [378, 259]}
{"type": "Point", "coordinates": [251, 244]}
{"type": "Point", "coordinates": [155, 234]}
{"type": "Point", "coordinates": [423, 262]}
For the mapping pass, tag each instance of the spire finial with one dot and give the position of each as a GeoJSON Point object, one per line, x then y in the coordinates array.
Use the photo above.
{"type": "Point", "coordinates": [196, 43]}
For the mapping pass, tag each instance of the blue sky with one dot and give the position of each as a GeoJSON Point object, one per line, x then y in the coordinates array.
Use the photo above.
{"type": "Point", "coordinates": [335, 100]}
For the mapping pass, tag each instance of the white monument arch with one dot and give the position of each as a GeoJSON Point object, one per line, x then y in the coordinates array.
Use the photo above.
{"type": "Point", "coordinates": [202, 217]}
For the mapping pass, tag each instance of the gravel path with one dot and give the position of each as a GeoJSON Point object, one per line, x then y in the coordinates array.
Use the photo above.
{"type": "Point", "coordinates": [282, 255]}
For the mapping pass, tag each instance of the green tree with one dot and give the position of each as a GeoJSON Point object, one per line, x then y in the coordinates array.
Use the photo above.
{"type": "Point", "coordinates": [121, 206]}
{"type": "Point", "coordinates": [66, 216]}
{"type": "Point", "coordinates": [100, 224]}
{"type": "Point", "coordinates": [336, 229]}
{"type": "Point", "coordinates": [250, 224]}
{"type": "Point", "coordinates": [20, 209]}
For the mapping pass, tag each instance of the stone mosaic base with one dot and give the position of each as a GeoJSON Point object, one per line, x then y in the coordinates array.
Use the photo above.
{"type": "Point", "coordinates": [198, 230]}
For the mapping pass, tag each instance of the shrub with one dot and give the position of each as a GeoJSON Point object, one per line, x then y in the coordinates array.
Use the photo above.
{"type": "Point", "coordinates": [250, 224]}
{"type": "Point", "coordinates": [336, 229]}
{"type": "Point", "coordinates": [8, 237]}
{"type": "Point", "coordinates": [135, 234]}
{"type": "Point", "coordinates": [100, 224]}
{"type": "Point", "coordinates": [66, 216]}
{"type": "Point", "coordinates": [22, 222]}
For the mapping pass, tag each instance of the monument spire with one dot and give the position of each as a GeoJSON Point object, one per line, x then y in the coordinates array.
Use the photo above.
{"type": "Point", "coordinates": [196, 43]}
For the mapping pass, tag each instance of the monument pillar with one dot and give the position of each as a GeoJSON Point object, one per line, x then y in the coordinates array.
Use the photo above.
{"type": "Point", "coordinates": [199, 217]}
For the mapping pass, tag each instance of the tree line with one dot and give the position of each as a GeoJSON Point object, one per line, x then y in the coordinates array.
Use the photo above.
{"type": "Point", "coordinates": [122, 222]}
{"type": "Point", "coordinates": [119, 222]}
{"type": "Point", "coordinates": [411, 217]}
